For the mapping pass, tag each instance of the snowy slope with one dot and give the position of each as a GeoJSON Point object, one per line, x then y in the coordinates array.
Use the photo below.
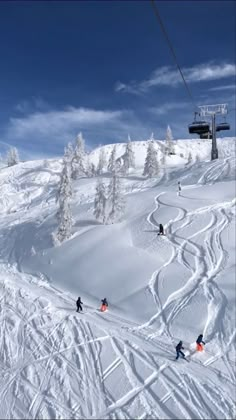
{"type": "Point", "coordinates": [56, 363]}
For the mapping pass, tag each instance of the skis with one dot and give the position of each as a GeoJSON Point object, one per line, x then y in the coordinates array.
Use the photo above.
{"type": "Point", "coordinates": [182, 358]}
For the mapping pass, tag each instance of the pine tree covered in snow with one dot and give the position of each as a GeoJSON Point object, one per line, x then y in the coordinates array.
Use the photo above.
{"type": "Point", "coordinates": [89, 166]}
{"type": "Point", "coordinates": [112, 161]}
{"type": "Point", "coordinates": [115, 202]}
{"type": "Point", "coordinates": [79, 162]}
{"type": "Point", "coordinates": [151, 167]}
{"type": "Point", "coordinates": [189, 158]}
{"type": "Point", "coordinates": [12, 156]}
{"type": "Point", "coordinates": [64, 196]}
{"type": "Point", "coordinates": [69, 153]}
{"type": "Point", "coordinates": [101, 161]}
{"type": "Point", "coordinates": [170, 150]}
{"type": "Point", "coordinates": [128, 157]}
{"type": "Point", "coordinates": [100, 202]}
{"type": "Point", "coordinates": [163, 159]}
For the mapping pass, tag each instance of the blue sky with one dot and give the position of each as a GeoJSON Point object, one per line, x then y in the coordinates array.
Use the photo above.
{"type": "Point", "coordinates": [104, 68]}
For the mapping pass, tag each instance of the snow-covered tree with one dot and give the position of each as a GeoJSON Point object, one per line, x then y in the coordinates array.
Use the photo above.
{"type": "Point", "coordinates": [12, 156]}
{"type": "Point", "coordinates": [115, 201]}
{"type": "Point", "coordinates": [151, 137]}
{"type": "Point", "coordinates": [79, 158]}
{"type": "Point", "coordinates": [151, 167]}
{"type": "Point", "coordinates": [163, 159]}
{"type": "Point", "coordinates": [170, 150]}
{"type": "Point", "coordinates": [89, 167]}
{"type": "Point", "coordinates": [101, 161]}
{"type": "Point", "coordinates": [69, 153]}
{"type": "Point", "coordinates": [92, 169]}
{"type": "Point", "coordinates": [112, 161]}
{"type": "Point", "coordinates": [100, 202]}
{"type": "Point", "coordinates": [64, 195]}
{"type": "Point", "coordinates": [128, 157]}
{"type": "Point", "coordinates": [32, 251]}
{"type": "Point", "coordinates": [189, 158]}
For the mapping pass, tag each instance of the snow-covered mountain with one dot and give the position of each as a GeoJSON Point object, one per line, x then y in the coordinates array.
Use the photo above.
{"type": "Point", "coordinates": [56, 363]}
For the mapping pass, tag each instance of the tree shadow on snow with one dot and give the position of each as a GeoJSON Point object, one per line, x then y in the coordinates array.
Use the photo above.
{"type": "Point", "coordinates": [83, 223]}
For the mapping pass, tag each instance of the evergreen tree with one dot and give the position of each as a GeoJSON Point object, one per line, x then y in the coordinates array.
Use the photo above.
{"type": "Point", "coordinates": [163, 159]}
{"type": "Point", "coordinates": [112, 161]}
{"type": "Point", "coordinates": [190, 158]}
{"type": "Point", "coordinates": [69, 153]}
{"type": "Point", "coordinates": [101, 161]}
{"type": "Point", "coordinates": [100, 202]}
{"type": "Point", "coordinates": [64, 195]}
{"type": "Point", "coordinates": [151, 167]}
{"type": "Point", "coordinates": [116, 202]}
{"type": "Point", "coordinates": [128, 157]}
{"type": "Point", "coordinates": [169, 142]}
{"type": "Point", "coordinates": [12, 157]}
{"type": "Point", "coordinates": [79, 158]}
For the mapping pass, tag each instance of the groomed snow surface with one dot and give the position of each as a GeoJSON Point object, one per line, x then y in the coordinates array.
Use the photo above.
{"type": "Point", "coordinates": [56, 363]}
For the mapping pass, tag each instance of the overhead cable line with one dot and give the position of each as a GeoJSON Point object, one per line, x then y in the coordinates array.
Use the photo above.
{"type": "Point", "coordinates": [157, 14]}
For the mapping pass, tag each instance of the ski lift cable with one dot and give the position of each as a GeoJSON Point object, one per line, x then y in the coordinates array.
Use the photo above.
{"type": "Point", "coordinates": [157, 14]}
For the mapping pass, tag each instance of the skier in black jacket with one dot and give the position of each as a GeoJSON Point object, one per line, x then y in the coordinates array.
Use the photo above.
{"type": "Point", "coordinates": [79, 303]}
{"type": "Point", "coordinates": [199, 342]}
{"type": "Point", "coordinates": [104, 302]}
{"type": "Point", "coordinates": [178, 348]}
{"type": "Point", "coordinates": [179, 188]}
{"type": "Point", "coordinates": [161, 229]}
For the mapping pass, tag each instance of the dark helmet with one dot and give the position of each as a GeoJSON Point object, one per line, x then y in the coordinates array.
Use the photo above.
{"type": "Point", "coordinates": [181, 342]}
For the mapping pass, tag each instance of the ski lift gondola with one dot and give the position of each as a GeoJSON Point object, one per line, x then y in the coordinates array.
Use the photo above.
{"type": "Point", "coordinates": [199, 127]}
{"type": "Point", "coordinates": [222, 126]}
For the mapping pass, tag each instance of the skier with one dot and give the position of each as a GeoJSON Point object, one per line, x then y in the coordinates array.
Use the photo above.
{"type": "Point", "coordinates": [79, 303]}
{"type": "Point", "coordinates": [178, 348]}
{"type": "Point", "coordinates": [104, 302]}
{"type": "Point", "coordinates": [199, 342]}
{"type": "Point", "coordinates": [161, 230]}
{"type": "Point", "coordinates": [179, 188]}
{"type": "Point", "coordinates": [104, 305]}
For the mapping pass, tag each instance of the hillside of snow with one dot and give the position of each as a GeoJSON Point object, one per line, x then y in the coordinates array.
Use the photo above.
{"type": "Point", "coordinates": [56, 363]}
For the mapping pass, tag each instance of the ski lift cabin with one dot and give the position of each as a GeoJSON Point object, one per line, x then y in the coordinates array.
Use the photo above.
{"type": "Point", "coordinates": [199, 127]}
{"type": "Point", "coordinates": [223, 126]}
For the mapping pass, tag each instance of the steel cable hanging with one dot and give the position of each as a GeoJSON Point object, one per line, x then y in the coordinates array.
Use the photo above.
{"type": "Point", "coordinates": [157, 14]}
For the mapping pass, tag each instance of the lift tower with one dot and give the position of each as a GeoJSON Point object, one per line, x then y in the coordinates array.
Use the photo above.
{"type": "Point", "coordinates": [212, 111]}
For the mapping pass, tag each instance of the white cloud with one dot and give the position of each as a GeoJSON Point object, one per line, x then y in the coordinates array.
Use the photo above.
{"type": "Point", "coordinates": [35, 103]}
{"type": "Point", "coordinates": [48, 132]}
{"type": "Point", "coordinates": [224, 87]}
{"type": "Point", "coordinates": [59, 122]}
{"type": "Point", "coordinates": [167, 107]}
{"type": "Point", "coordinates": [167, 76]}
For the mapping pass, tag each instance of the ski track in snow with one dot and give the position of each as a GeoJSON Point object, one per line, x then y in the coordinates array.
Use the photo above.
{"type": "Point", "coordinates": [56, 364]}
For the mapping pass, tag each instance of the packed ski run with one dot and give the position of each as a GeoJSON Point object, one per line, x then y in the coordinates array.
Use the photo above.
{"type": "Point", "coordinates": [59, 362]}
